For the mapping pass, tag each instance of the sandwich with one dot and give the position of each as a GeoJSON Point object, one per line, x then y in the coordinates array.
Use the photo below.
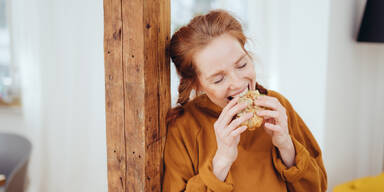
{"type": "Point", "coordinates": [256, 121]}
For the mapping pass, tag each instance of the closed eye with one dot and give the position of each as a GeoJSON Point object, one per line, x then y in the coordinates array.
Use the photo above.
{"type": "Point", "coordinates": [242, 66]}
{"type": "Point", "coordinates": [218, 81]}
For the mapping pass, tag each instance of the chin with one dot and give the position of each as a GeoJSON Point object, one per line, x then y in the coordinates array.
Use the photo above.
{"type": "Point", "coordinates": [221, 103]}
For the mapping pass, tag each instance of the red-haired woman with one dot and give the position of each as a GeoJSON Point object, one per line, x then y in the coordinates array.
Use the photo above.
{"type": "Point", "coordinates": [206, 149]}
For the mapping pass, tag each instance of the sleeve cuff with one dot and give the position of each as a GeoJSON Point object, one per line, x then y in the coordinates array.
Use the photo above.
{"type": "Point", "coordinates": [295, 172]}
{"type": "Point", "coordinates": [212, 182]}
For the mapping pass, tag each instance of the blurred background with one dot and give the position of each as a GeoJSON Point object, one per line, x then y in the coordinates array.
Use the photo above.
{"type": "Point", "coordinates": [52, 81]}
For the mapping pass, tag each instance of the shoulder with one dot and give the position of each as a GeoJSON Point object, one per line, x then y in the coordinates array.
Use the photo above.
{"type": "Point", "coordinates": [186, 125]}
{"type": "Point", "coordinates": [183, 131]}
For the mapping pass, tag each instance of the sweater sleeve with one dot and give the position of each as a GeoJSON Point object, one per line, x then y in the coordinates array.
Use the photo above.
{"type": "Point", "coordinates": [308, 172]}
{"type": "Point", "coordinates": [180, 174]}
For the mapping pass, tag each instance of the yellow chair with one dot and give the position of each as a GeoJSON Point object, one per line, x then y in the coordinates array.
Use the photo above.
{"type": "Point", "coordinates": [366, 184]}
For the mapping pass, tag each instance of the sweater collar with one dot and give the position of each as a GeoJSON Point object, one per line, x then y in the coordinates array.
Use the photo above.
{"type": "Point", "coordinates": [205, 104]}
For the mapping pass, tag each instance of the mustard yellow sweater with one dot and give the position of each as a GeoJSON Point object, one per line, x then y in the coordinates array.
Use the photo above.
{"type": "Point", "coordinates": [191, 145]}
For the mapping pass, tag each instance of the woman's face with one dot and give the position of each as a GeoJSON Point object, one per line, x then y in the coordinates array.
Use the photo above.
{"type": "Point", "coordinates": [224, 70]}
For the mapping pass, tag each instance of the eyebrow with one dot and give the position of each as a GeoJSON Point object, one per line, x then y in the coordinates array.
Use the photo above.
{"type": "Point", "coordinates": [221, 71]}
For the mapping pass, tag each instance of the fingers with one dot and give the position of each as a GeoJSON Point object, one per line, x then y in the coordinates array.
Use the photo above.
{"type": "Point", "coordinates": [268, 114]}
{"type": "Point", "coordinates": [228, 115]}
{"type": "Point", "coordinates": [230, 104]}
{"type": "Point", "coordinates": [278, 116]}
{"type": "Point", "coordinates": [238, 131]}
{"type": "Point", "coordinates": [271, 120]}
{"type": "Point", "coordinates": [236, 123]}
{"type": "Point", "coordinates": [269, 102]}
{"type": "Point", "coordinates": [271, 127]}
{"type": "Point", "coordinates": [268, 131]}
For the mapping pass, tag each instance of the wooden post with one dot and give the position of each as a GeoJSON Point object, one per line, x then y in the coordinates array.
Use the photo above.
{"type": "Point", "coordinates": [137, 83]}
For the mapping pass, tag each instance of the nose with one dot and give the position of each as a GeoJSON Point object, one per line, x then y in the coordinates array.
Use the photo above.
{"type": "Point", "coordinates": [235, 82]}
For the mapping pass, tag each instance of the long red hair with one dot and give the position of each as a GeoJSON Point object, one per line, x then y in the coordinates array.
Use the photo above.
{"type": "Point", "coordinates": [187, 40]}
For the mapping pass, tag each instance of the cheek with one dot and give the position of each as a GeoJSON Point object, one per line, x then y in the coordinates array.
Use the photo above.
{"type": "Point", "coordinates": [217, 94]}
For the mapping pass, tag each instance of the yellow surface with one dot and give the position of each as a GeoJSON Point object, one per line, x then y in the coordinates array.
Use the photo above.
{"type": "Point", "coordinates": [366, 184]}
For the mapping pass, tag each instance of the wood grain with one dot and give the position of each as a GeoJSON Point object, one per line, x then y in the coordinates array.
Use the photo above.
{"type": "Point", "coordinates": [114, 96]}
{"type": "Point", "coordinates": [137, 75]}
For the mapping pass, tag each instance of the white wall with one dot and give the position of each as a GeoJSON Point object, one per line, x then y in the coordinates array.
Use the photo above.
{"type": "Point", "coordinates": [11, 119]}
{"type": "Point", "coordinates": [354, 106]}
{"type": "Point", "coordinates": [309, 54]}
{"type": "Point", "coordinates": [58, 46]}
{"type": "Point", "coordinates": [292, 44]}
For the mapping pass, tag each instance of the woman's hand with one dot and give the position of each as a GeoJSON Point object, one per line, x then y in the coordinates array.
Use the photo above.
{"type": "Point", "coordinates": [228, 137]}
{"type": "Point", "coordinates": [276, 125]}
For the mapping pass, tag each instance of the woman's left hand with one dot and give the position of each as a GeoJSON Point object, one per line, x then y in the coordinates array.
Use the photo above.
{"type": "Point", "coordinates": [275, 120]}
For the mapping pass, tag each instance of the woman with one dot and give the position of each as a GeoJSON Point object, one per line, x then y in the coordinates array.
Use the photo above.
{"type": "Point", "coordinates": [206, 149]}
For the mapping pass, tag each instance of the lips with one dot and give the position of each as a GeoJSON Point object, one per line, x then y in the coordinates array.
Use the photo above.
{"type": "Point", "coordinates": [240, 94]}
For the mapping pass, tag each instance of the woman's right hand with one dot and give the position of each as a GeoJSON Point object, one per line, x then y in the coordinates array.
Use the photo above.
{"type": "Point", "coordinates": [228, 137]}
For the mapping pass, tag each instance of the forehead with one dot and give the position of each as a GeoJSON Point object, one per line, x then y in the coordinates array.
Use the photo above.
{"type": "Point", "coordinates": [219, 55]}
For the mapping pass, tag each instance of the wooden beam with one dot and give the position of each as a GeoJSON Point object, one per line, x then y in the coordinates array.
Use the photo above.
{"type": "Point", "coordinates": [137, 82]}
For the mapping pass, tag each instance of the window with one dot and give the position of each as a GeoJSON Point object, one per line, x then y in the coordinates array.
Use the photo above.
{"type": "Point", "coordinates": [8, 90]}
